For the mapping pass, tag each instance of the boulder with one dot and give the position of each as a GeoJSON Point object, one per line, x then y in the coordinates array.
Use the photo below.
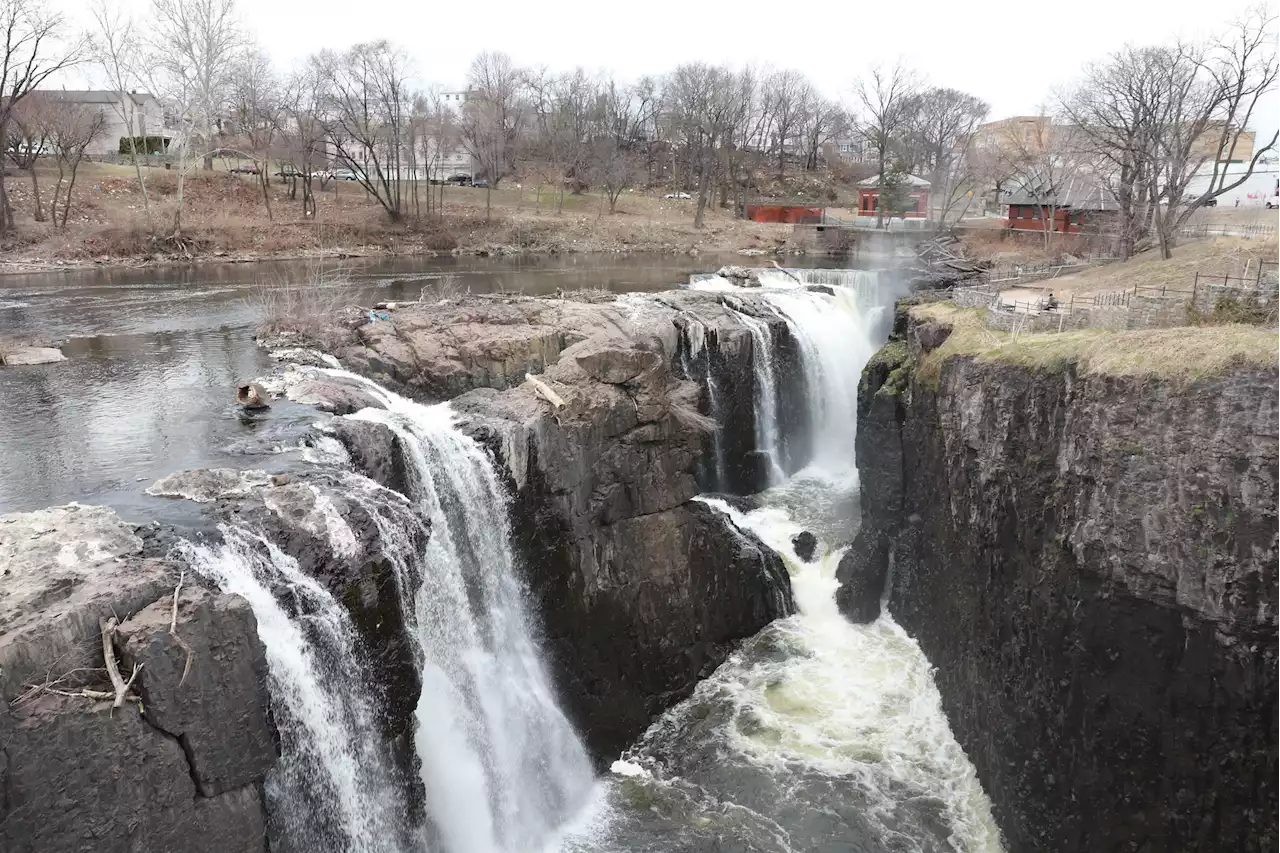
{"type": "Point", "coordinates": [613, 364]}
{"type": "Point", "coordinates": [332, 395]}
{"type": "Point", "coordinates": [374, 450]}
{"type": "Point", "coordinates": [206, 485]}
{"type": "Point", "coordinates": [207, 686]}
{"type": "Point", "coordinates": [61, 569]}
{"type": "Point", "coordinates": [184, 768]}
{"type": "Point", "coordinates": [31, 355]}
{"type": "Point", "coordinates": [805, 544]}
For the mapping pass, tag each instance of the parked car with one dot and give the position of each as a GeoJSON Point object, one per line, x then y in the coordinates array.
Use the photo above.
{"type": "Point", "coordinates": [344, 175]}
{"type": "Point", "coordinates": [246, 169]}
{"type": "Point", "coordinates": [321, 174]}
{"type": "Point", "coordinates": [1273, 202]}
{"type": "Point", "coordinates": [289, 172]}
{"type": "Point", "coordinates": [1209, 202]}
{"type": "Point", "coordinates": [482, 184]}
{"type": "Point", "coordinates": [677, 195]}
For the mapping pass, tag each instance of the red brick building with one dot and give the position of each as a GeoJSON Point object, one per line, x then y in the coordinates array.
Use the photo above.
{"type": "Point", "coordinates": [917, 193]}
{"type": "Point", "coordinates": [1079, 207]}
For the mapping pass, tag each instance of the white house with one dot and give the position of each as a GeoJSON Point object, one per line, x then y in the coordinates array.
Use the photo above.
{"type": "Point", "coordinates": [120, 109]}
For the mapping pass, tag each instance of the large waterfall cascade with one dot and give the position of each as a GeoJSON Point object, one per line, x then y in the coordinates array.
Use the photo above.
{"type": "Point", "coordinates": [818, 733]}
{"type": "Point", "coordinates": [501, 766]}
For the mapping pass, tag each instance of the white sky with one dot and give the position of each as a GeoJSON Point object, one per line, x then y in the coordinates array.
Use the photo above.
{"type": "Point", "coordinates": [1011, 56]}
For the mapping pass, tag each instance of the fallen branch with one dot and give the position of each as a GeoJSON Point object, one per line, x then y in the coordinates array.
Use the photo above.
{"type": "Point", "coordinates": [173, 629]}
{"type": "Point", "coordinates": [121, 686]}
{"type": "Point", "coordinates": [544, 391]}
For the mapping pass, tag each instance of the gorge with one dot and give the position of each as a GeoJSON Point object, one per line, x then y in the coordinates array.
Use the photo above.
{"type": "Point", "coordinates": [532, 584]}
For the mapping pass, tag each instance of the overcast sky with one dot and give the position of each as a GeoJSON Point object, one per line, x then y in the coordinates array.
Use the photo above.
{"type": "Point", "coordinates": [1011, 55]}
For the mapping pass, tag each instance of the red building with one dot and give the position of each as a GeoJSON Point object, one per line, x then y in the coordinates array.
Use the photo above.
{"type": "Point", "coordinates": [917, 197]}
{"type": "Point", "coordinates": [1080, 207]}
{"type": "Point", "coordinates": [786, 213]}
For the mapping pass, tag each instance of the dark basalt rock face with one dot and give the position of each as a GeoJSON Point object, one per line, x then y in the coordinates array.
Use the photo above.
{"type": "Point", "coordinates": [182, 770]}
{"type": "Point", "coordinates": [805, 544]}
{"type": "Point", "coordinates": [642, 590]}
{"type": "Point", "coordinates": [1090, 562]}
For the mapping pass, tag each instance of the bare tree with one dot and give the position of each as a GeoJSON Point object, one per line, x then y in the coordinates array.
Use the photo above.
{"type": "Point", "coordinates": [196, 46]}
{"type": "Point", "coordinates": [305, 137]}
{"type": "Point", "coordinates": [28, 140]}
{"type": "Point", "coordinates": [887, 97]}
{"type": "Point", "coordinates": [72, 129]}
{"type": "Point", "coordinates": [938, 135]}
{"type": "Point", "coordinates": [118, 51]}
{"type": "Point", "coordinates": [784, 99]}
{"type": "Point", "coordinates": [30, 53]}
{"type": "Point", "coordinates": [369, 116]}
{"type": "Point", "coordinates": [493, 116]}
{"type": "Point", "coordinates": [1048, 170]}
{"type": "Point", "coordinates": [822, 121]}
{"type": "Point", "coordinates": [256, 112]}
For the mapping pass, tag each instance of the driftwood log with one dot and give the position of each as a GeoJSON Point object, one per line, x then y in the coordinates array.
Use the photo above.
{"type": "Point", "coordinates": [252, 396]}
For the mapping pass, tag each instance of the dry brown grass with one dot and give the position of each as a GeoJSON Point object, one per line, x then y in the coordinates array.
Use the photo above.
{"type": "Point", "coordinates": [1235, 256]}
{"type": "Point", "coordinates": [303, 310]}
{"type": "Point", "coordinates": [1183, 354]}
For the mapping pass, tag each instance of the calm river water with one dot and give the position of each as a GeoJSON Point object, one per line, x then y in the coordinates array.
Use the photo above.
{"type": "Point", "coordinates": [154, 355]}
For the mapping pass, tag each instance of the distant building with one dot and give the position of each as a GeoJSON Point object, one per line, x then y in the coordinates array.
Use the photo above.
{"type": "Point", "coordinates": [1080, 206]}
{"type": "Point", "coordinates": [143, 111]}
{"type": "Point", "coordinates": [852, 148]}
{"type": "Point", "coordinates": [916, 205]}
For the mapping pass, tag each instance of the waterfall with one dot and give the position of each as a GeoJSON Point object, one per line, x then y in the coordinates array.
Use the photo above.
{"type": "Point", "coordinates": [501, 764]}
{"type": "Point", "coordinates": [836, 338]}
{"type": "Point", "coordinates": [768, 439]}
{"type": "Point", "coordinates": [334, 787]}
{"type": "Point", "coordinates": [836, 333]}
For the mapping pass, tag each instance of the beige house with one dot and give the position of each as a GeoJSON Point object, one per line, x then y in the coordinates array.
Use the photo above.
{"type": "Point", "coordinates": [141, 110]}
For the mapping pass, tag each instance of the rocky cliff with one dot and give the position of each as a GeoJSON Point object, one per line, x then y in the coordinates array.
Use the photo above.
{"type": "Point", "coordinates": [642, 591]}
{"type": "Point", "coordinates": [180, 766]}
{"type": "Point", "coordinates": [1081, 531]}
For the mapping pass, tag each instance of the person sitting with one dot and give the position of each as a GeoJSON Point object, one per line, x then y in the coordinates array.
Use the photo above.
{"type": "Point", "coordinates": [1050, 304]}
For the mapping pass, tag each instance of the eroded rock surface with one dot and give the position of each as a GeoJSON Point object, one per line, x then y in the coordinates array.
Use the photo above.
{"type": "Point", "coordinates": [184, 773]}
{"type": "Point", "coordinates": [642, 590]}
{"type": "Point", "coordinates": [1090, 562]}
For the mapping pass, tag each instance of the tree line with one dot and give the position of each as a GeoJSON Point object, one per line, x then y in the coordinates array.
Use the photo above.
{"type": "Point", "coordinates": [1141, 124]}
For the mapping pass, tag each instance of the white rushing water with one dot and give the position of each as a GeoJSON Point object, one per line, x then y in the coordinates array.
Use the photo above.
{"type": "Point", "coordinates": [331, 746]}
{"type": "Point", "coordinates": [817, 733]}
{"type": "Point", "coordinates": [850, 701]}
{"type": "Point", "coordinates": [501, 764]}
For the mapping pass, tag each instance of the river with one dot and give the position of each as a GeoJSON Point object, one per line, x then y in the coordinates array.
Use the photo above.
{"type": "Point", "coordinates": [154, 355]}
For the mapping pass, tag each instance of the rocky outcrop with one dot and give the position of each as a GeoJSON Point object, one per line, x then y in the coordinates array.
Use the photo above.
{"type": "Point", "coordinates": [642, 590]}
{"type": "Point", "coordinates": [180, 769]}
{"type": "Point", "coordinates": [1090, 562]}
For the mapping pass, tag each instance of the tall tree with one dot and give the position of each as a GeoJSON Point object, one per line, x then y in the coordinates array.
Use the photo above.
{"type": "Point", "coordinates": [887, 98]}
{"type": "Point", "coordinates": [72, 129]}
{"type": "Point", "coordinates": [196, 45]}
{"type": "Point", "coordinates": [255, 108]}
{"type": "Point", "coordinates": [29, 140]}
{"type": "Point", "coordinates": [493, 116]}
{"type": "Point", "coordinates": [33, 48]}
{"type": "Point", "coordinates": [119, 52]}
{"type": "Point", "coordinates": [370, 106]}
{"type": "Point", "coordinates": [939, 131]}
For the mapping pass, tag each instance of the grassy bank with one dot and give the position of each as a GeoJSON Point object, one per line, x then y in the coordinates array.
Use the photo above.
{"type": "Point", "coordinates": [225, 217]}
{"type": "Point", "coordinates": [1183, 354]}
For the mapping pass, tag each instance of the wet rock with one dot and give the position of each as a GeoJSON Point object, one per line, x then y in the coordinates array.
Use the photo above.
{"type": "Point", "coordinates": [1089, 562]}
{"type": "Point", "coordinates": [206, 485]}
{"type": "Point", "coordinates": [739, 275]}
{"type": "Point", "coordinates": [615, 365]}
{"type": "Point", "coordinates": [211, 692]}
{"type": "Point", "coordinates": [374, 450]}
{"type": "Point", "coordinates": [61, 569]}
{"type": "Point", "coordinates": [31, 355]}
{"type": "Point", "coordinates": [73, 767]}
{"type": "Point", "coordinates": [742, 503]}
{"type": "Point", "coordinates": [332, 395]}
{"type": "Point", "coordinates": [821, 288]}
{"type": "Point", "coordinates": [805, 544]}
